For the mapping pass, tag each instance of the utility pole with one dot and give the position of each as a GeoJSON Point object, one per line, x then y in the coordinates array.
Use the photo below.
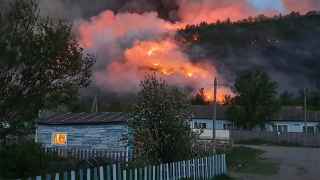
{"type": "Point", "coordinates": [305, 110]}
{"type": "Point", "coordinates": [215, 87]}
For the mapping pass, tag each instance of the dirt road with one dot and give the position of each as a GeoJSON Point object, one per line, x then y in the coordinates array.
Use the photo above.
{"type": "Point", "coordinates": [295, 163]}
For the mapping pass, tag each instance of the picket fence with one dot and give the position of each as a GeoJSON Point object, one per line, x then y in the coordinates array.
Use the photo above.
{"type": "Point", "coordinates": [199, 168]}
{"type": "Point", "coordinates": [87, 154]}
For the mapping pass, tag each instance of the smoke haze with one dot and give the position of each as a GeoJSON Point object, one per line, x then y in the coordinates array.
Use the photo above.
{"type": "Point", "coordinates": [133, 37]}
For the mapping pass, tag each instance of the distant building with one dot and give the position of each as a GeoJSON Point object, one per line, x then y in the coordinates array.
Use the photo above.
{"type": "Point", "coordinates": [104, 131]}
{"type": "Point", "coordinates": [291, 119]}
{"type": "Point", "coordinates": [288, 120]}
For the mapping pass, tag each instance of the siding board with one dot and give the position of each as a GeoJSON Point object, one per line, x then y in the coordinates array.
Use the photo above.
{"type": "Point", "coordinates": [108, 137]}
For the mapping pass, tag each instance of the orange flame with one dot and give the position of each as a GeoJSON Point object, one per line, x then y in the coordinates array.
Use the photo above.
{"type": "Point", "coordinates": [165, 57]}
{"type": "Point", "coordinates": [123, 73]}
{"type": "Point", "coordinates": [221, 93]}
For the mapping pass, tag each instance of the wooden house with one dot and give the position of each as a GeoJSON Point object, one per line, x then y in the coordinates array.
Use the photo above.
{"type": "Point", "coordinates": [100, 131]}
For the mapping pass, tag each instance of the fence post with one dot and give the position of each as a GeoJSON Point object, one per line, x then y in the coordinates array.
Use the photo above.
{"type": "Point", "coordinates": [114, 172]}
{"type": "Point", "coordinates": [179, 168]}
{"type": "Point", "coordinates": [183, 172]}
{"type": "Point", "coordinates": [88, 174]}
{"type": "Point", "coordinates": [73, 175]}
{"type": "Point", "coordinates": [219, 166]}
{"type": "Point", "coordinates": [174, 170]}
{"type": "Point", "coordinates": [57, 176]}
{"type": "Point", "coordinates": [153, 173]}
{"type": "Point", "coordinates": [124, 174]}
{"type": "Point", "coordinates": [145, 173]}
{"type": "Point", "coordinates": [101, 173]}
{"type": "Point", "coordinates": [135, 174]}
{"type": "Point", "coordinates": [189, 168]}
{"type": "Point", "coordinates": [160, 173]}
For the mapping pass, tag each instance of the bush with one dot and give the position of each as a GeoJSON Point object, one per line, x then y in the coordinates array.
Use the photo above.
{"type": "Point", "coordinates": [22, 160]}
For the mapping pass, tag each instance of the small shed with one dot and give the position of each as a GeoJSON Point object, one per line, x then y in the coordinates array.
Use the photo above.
{"type": "Point", "coordinates": [101, 131]}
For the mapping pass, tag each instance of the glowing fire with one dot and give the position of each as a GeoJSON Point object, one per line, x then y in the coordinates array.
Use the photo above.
{"type": "Point", "coordinates": [165, 57]}
{"type": "Point", "coordinates": [221, 93]}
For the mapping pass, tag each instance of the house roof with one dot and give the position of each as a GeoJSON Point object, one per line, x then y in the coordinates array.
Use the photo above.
{"type": "Point", "coordinates": [287, 113]}
{"type": "Point", "coordinates": [206, 112]}
{"type": "Point", "coordinates": [85, 118]}
{"type": "Point", "coordinates": [296, 113]}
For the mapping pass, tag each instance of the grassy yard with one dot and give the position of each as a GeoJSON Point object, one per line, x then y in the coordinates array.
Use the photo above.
{"type": "Point", "coordinates": [264, 142]}
{"type": "Point", "coordinates": [249, 160]}
{"type": "Point", "coordinates": [215, 178]}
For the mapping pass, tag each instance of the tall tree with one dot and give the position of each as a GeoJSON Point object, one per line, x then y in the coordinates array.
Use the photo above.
{"type": "Point", "coordinates": [41, 65]}
{"type": "Point", "coordinates": [256, 99]}
{"type": "Point", "coordinates": [160, 122]}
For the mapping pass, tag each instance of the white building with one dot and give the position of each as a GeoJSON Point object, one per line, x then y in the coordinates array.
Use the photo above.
{"type": "Point", "coordinates": [288, 120]}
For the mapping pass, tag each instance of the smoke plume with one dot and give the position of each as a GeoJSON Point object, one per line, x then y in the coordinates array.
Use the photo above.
{"type": "Point", "coordinates": [133, 37]}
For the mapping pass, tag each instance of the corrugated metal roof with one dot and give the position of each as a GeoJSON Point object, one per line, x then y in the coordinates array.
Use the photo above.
{"type": "Point", "coordinates": [85, 118]}
{"type": "Point", "coordinates": [206, 112]}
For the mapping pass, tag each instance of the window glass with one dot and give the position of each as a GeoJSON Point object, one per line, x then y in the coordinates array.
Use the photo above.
{"type": "Point", "coordinates": [60, 138]}
{"type": "Point", "coordinates": [204, 125]}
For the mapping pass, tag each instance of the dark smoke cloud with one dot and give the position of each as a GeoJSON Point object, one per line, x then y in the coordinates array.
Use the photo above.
{"type": "Point", "coordinates": [74, 9]}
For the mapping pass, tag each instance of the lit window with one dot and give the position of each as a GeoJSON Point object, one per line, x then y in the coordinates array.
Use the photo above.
{"type": "Point", "coordinates": [60, 138]}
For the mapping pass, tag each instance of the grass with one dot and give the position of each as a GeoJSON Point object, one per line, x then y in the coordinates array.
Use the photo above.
{"type": "Point", "coordinates": [249, 160]}
{"type": "Point", "coordinates": [264, 142]}
{"type": "Point", "coordinates": [215, 178]}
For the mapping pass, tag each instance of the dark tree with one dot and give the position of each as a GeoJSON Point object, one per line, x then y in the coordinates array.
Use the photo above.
{"type": "Point", "coordinates": [160, 122]}
{"type": "Point", "coordinates": [200, 98]}
{"type": "Point", "coordinates": [256, 99]}
{"type": "Point", "coordinates": [287, 99]}
{"type": "Point", "coordinates": [41, 66]}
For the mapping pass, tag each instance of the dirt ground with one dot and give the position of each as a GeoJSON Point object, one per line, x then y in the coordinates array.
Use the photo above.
{"type": "Point", "coordinates": [296, 163]}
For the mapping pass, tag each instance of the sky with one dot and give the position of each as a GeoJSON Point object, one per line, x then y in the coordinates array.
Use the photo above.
{"type": "Point", "coordinates": [268, 5]}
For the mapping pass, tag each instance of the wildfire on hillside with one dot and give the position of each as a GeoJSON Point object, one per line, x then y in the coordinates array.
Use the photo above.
{"type": "Point", "coordinates": [129, 45]}
{"type": "Point", "coordinates": [161, 55]}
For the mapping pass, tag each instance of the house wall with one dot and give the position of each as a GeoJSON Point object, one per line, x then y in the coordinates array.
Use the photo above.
{"type": "Point", "coordinates": [293, 126]}
{"type": "Point", "coordinates": [219, 124]}
{"type": "Point", "coordinates": [107, 137]}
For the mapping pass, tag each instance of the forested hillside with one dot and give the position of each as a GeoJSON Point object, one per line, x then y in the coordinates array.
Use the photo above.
{"type": "Point", "coordinates": [287, 47]}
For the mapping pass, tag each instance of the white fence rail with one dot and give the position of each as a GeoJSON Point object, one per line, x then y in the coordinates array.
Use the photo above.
{"type": "Point", "coordinates": [86, 154]}
{"type": "Point", "coordinates": [200, 168]}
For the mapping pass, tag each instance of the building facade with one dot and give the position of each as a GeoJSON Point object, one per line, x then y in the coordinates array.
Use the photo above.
{"type": "Point", "coordinates": [100, 131]}
{"type": "Point", "coordinates": [288, 120]}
